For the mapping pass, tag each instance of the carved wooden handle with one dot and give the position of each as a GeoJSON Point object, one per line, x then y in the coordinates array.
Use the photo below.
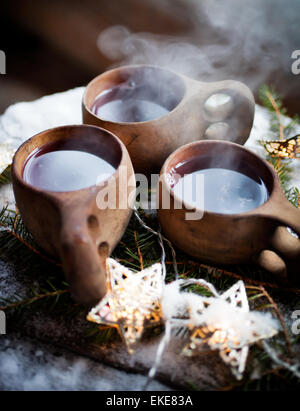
{"type": "Point", "coordinates": [84, 264]}
{"type": "Point", "coordinates": [229, 109]}
{"type": "Point", "coordinates": [283, 257]}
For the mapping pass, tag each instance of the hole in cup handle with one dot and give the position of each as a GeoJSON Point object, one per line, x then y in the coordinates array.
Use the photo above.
{"type": "Point", "coordinates": [284, 256]}
{"type": "Point", "coordinates": [240, 117]}
{"type": "Point", "coordinates": [285, 243]}
{"type": "Point", "coordinates": [273, 263]}
{"type": "Point", "coordinates": [286, 215]}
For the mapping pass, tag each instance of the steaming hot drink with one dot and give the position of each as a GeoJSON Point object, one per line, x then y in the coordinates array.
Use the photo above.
{"type": "Point", "coordinates": [129, 102]}
{"type": "Point", "coordinates": [225, 191]}
{"type": "Point", "coordinates": [128, 110]}
{"type": "Point", "coordinates": [58, 167]}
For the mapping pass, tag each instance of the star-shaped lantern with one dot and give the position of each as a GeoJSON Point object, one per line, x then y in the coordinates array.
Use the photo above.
{"type": "Point", "coordinates": [132, 301]}
{"type": "Point", "coordinates": [225, 324]}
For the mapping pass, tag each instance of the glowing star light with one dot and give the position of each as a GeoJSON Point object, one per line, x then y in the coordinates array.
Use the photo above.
{"type": "Point", "coordinates": [225, 324]}
{"type": "Point", "coordinates": [132, 301]}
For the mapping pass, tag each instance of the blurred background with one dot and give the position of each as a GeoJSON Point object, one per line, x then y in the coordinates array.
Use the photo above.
{"type": "Point", "coordinates": [54, 45]}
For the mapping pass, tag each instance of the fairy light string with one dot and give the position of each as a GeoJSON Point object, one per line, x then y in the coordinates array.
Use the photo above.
{"type": "Point", "coordinates": [222, 321]}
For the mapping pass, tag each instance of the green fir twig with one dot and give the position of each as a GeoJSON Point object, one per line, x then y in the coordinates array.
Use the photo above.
{"type": "Point", "coordinates": [278, 131]}
{"type": "Point", "coordinates": [5, 176]}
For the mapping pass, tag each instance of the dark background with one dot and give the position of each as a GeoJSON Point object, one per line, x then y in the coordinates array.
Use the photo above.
{"type": "Point", "coordinates": [52, 45]}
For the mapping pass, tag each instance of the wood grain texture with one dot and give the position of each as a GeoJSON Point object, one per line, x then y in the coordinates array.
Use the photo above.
{"type": "Point", "coordinates": [70, 225]}
{"type": "Point", "coordinates": [149, 143]}
{"type": "Point", "coordinates": [234, 238]}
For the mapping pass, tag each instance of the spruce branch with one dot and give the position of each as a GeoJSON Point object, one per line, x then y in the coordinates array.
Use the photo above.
{"type": "Point", "coordinates": [264, 293]}
{"type": "Point", "coordinates": [5, 176]}
{"type": "Point", "coordinates": [12, 223]}
{"type": "Point", "coordinates": [273, 102]}
{"type": "Point", "coordinates": [270, 99]}
{"type": "Point", "coordinates": [278, 113]}
{"type": "Point", "coordinates": [22, 302]}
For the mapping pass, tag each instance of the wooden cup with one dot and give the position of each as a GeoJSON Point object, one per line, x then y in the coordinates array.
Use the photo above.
{"type": "Point", "coordinates": [69, 225]}
{"type": "Point", "coordinates": [197, 110]}
{"type": "Point", "coordinates": [259, 235]}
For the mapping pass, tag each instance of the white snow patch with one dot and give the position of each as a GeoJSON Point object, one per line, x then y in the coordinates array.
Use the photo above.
{"type": "Point", "coordinates": [55, 370]}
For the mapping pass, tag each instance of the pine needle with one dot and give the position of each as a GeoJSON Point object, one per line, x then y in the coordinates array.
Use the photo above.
{"type": "Point", "coordinates": [5, 176]}
{"type": "Point", "coordinates": [28, 301]}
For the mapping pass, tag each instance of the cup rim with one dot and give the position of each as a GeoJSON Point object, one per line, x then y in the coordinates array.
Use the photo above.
{"type": "Point", "coordinates": [127, 67]}
{"type": "Point", "coordinates": [276, 189]}
{"type": "Point", "coordinates": [19, 176]}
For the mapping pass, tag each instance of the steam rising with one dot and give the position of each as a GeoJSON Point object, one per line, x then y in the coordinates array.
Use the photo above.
{"type": "Point", "coordinates": [247, 40]}
{"type": "Point", "coordinates": [251, 41]}
{"type": "Point", "coordinates": [143, 95]}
